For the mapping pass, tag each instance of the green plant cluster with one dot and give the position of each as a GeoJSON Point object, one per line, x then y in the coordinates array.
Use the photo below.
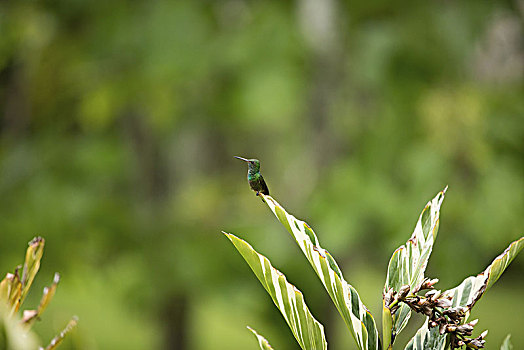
{"type": "Point", "coordinates": [446, 326]}
{"type": "Point", "coordinates": [15, 329]}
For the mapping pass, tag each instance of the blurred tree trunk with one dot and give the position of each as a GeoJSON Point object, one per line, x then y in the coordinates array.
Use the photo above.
{"type": "Point", "coordinates": [15, 103]}
{"type": "Point", "coordinates": [176, 322]}
{"type": "Point", "coordinates": [320, 28]}
{"type": "Point", "coordinates": [153, 183]}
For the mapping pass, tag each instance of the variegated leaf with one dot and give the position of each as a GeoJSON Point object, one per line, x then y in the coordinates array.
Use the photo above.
{"type": "Point", "coordinates": [472, 289]}
{"type": "Point", "coordinates": [346, 299]}
{"type": "Point", "coordinates": [264, 344]}
{"type": "Point", "coordinates": [506, 344]}
{"type": "Point", "coordinates": [408, 263]}
{"type": "Point", "coordinates": [308, 332]}
{"type": "Point", "coordinates": [427, 339]}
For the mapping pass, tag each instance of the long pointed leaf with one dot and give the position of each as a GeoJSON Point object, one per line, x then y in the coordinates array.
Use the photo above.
{"type": "Point", "coordinates": [31, 265]}
{"type": "Point", "coordinates": [10, 291]}
{"type": "Point", "coordinates": [408, 263]}
{"type": "Point", "coordinates": [308, 332]}
{"type": "Point", "coordinates": [264, 344]}
{"type": "Point", "coordinates": [346, 299]}
{"type": "Point", "coordinates": [471, 290]}
{"type": "Point", "coordinates": [31, 315]}
{"type": "Point", "coordinates": [60, 337]}
{"type": "Point", "coordinates": [387, 326]}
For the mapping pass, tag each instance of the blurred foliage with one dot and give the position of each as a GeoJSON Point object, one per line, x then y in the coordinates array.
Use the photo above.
{"type": "Point", "coordinates": [119, 120]}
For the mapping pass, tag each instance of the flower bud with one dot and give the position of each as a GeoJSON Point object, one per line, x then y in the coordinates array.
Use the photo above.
{"type": "Point", "coordinates": [476, 344]}
{"type": "Point", "coordinates": [403, 291]}
{"type": "Point", "coordinates": [444, 303]}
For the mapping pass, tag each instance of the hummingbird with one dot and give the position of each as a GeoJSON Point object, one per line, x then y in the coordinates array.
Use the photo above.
{"type": "Point", "coordinates": [254, 178]}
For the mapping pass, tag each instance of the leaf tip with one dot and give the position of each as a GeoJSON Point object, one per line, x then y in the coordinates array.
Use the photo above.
{"type": "Point", "coordinates": [230, 236]}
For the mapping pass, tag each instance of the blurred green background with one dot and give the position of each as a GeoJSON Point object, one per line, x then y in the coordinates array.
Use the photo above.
{"type": "Point", "coordinates": [119, 123]}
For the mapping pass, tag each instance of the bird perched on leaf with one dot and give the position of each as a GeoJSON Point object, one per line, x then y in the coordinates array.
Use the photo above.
{"type": "Point", "coordinates": [254, 178]}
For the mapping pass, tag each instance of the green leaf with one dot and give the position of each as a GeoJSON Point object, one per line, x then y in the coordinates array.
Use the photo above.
{"type": "Point", "coordinates": [471, 290]}
{"type": "Point", "coordinates": [10, 291]}
{"type": "Point", "coordinates": [408, 263]}
{"type": "Point", "coordinates": [387, 325]}
{"type": "Point", "coordinates": [346, 299]}
{"type": "Point", "coordinates": [31, 265]}
{"type": "Point", "coordinates": [59, 338]}
{"type": "Point", "coordinates": [264, 344]}
{"type": "Point", "coordinates": [506, 344]}
{"type": "Point", "coordinates": [308, 332]}
{"type": "Point", "coordinates": [31, 315]}
{"type": "Point", "coordinates": [13, 335]}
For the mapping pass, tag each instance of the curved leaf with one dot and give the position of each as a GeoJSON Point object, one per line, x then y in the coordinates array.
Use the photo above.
{"type": "Point", "coordinates": [264, 344]}
{"type": "Point", "coordinates": [408, 263]}
{"type": "Point", "coordinates": [346, 299]}
{"type": "Point", "coordinates": [308, 332]}
{"type": "Point", "coordinates": [506, 344]}
{"type": "Point", "coordinates": [472, 289]}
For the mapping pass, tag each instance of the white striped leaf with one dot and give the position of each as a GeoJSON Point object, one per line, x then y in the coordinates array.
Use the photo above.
{"type": "Point", "coordinates": [346, 299]}
{"type": "Point", "coordinates": [408, 263]}
{"type": "Point", "coordinates": [264, 344]}
{"type": "Point", "coordinates": [469, 292]}
{"type": "Point", "coordinates": [506, 344]}
{"type": "Point", "coordinates": [427, 339]}
{"type": "Point", "coordinates": [308, 332]}
{"type": "Point", "coordinates": [474, 287]}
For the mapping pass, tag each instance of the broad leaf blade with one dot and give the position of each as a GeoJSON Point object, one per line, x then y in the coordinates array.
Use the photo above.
{"type": "Point", "coordinates": [308, 332]}
{"type": "Point", "coordinates": [346, 299]}
{"type": "Point", "coordinates": [427, 339]}
{"type": "Point", "coordinates": [408, 263]}
{"type": "Point", "coordinates": [472, 289]}
{"type": "Point", "coordinates": [264, 344]}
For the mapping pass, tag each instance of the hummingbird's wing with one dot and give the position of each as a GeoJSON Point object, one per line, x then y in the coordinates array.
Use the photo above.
{"type": "Point", "coordinates": [263, 185]}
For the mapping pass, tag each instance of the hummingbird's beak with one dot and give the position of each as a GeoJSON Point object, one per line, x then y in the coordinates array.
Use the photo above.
{"type": "Point", "coordinates": [244, 159]}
